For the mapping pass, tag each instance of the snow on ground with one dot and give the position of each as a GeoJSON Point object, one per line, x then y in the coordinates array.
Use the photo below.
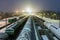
{"type": "Point", "coordinates": [45, 37]}
{"type": "Point", "coordinates": [3, 30]}
{"type": "Point", "coordinates": [53, 25]}
{"type": "Point", "coordinates": [2, 23]}
{"type": "Point", "coordinates": [52, 21]}
{"type": "Point", "coordinates": [56, 23]}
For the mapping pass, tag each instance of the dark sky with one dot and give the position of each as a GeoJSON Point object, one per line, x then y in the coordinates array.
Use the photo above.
{"type": "Point", "coordinates": [12, 5]}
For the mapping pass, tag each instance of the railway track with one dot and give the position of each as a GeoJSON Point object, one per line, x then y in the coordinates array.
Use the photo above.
{"type": "Point", "coordinates": [20, 17]}
{"type": "Point", "coordinates": [43, 32]}
{"type": "Point", "coordinates": [30, 28]}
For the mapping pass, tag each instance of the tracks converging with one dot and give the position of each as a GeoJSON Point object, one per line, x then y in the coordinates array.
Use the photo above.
{"type": "Point", "coordinates": [29, 28]}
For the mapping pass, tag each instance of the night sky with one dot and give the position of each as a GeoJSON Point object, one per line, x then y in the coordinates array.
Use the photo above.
{"type": "Point", "coordinates": [12, 5]}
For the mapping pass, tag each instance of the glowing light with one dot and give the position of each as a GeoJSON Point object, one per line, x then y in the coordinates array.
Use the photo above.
{"type": "Point", "coordinates": [29, 10]}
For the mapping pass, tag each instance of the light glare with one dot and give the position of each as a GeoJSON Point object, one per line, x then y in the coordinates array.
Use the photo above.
{"type": "Point", "coordinates": [29, 10]}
